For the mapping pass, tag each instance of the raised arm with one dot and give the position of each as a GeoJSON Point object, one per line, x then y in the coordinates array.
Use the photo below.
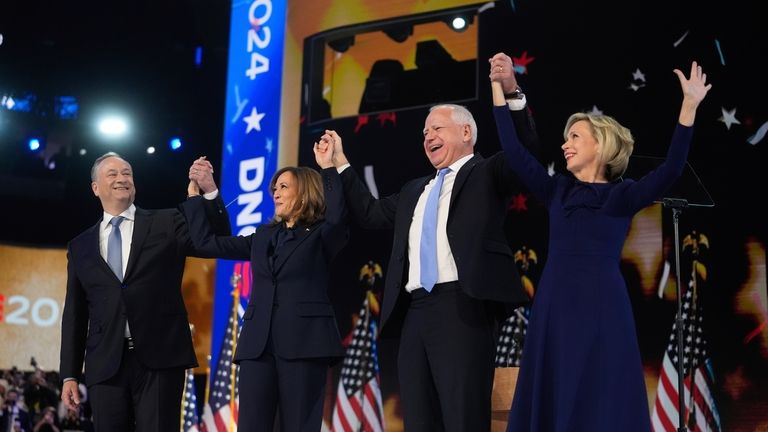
{"type": "Point", "coordinates": [202, 183]}
{"type": "Point", "coordinates": [653, 185]}
{"type": "Point", "coordinates": [518, 158]}
{"type": "Point", "coordinates": [368, 211]}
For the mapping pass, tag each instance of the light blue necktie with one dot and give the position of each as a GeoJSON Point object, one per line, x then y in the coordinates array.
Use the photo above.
{"type": "Point", "coordinates": [115, 247]}
{"type": "Point", "coordinates": [428, 250]}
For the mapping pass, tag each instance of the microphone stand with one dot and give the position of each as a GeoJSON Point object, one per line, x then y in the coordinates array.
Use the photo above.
{"type": "Point", "coordinates": [677, 205]}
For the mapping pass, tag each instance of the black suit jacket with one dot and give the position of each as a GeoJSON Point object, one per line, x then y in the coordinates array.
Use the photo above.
{"type": "Point", "coordinates": [97, 304]}
{"type": "Point", "coordinates": [475, 230]}
{"type": "Point", "coordinates": [289, 300]}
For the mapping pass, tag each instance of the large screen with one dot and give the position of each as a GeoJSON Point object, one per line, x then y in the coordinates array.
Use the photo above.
{"type": "Point", "coordinates": [33, 285]}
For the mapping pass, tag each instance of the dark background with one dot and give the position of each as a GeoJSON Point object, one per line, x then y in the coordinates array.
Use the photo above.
{"type": "Point", "coordinates": [140, 54]}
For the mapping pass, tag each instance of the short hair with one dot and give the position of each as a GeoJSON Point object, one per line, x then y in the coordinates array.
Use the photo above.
{"type": "Point", "coordinates": [100, 159]}
{"type": "Point", "coordinates": [461, 115]}
{"type": "Point", "coordinates": [310, 198]}
{"type": "Point", "coordinates": [615, 141]}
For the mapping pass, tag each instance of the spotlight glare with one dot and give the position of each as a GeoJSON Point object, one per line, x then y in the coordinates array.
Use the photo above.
{"type": "Point", "coordinates": [151, 150]}
{"type": "Point", "coordinates": [113, 126]}
{"type": "Point", "coordinates": [459, 23]}
{"type": "Point", "coordinates": [83, 152]}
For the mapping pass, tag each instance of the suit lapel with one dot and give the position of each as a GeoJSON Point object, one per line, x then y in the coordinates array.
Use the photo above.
{"type": "Point", "coordinates": [412, 195]}
{"type": "Point", "coordinates": [260, 247]}
{"type": "Point", "coordinates": [140, 230]}
{"type": "Point", "coordinates": [301, 234]}
{"type": "Point", "coordinates": [93, 251]}
{"type": "Point", "coordinates": [461, 178]}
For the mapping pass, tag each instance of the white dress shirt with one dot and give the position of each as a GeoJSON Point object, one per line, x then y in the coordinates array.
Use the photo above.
{"type": "Point", "coordinates": [126, 235]}
{"type": "Point", "coordinates": [446, 266]}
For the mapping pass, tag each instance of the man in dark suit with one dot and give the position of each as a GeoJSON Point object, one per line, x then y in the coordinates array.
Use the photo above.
{"type": "Point", "coordinates": [124, 312]}
{"type": "Point", "coordinates": [447, 326]}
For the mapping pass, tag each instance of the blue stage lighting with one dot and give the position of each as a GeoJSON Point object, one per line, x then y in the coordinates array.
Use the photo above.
{"type": "Point", "coordinates": [175, 143]}
{"type": "Point", "coordinates": [35, 144]}
{"type": "Point", "coordinates": [66, 107]}
{"type": "Point", "coordinates": [198, 56]}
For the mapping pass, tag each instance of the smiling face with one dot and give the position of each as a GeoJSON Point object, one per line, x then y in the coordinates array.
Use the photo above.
{"type": "Point", "coordinates": [114, 185]}
{"type": "Point", "coordinates": [446, 141]}
{"type": "Point", "coordinates": [285, 194]}
{"type": "Point", "coordinates": [582, 153]}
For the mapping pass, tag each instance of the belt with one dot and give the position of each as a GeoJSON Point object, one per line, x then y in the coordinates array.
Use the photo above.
{"type": "Point", "coordinates": [129, 343]}
{"type": "Point", "coordinates": [444, 287]}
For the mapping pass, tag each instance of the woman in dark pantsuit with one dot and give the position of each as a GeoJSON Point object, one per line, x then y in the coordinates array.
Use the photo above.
{"type": "Point", "coordinates": [289, 336]}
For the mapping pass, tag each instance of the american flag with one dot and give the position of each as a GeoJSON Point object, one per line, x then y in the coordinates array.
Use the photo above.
{"type": "Point", "coordinates": [190, 420]}
{"type": "Point", "coordinates": [358, 396]}
{"type": "Point", "coordinates": [220, 413]}
{"type": "Point", "coordinates": [700, 411]}
{"type": "Point", "coordinates": [509, 346]}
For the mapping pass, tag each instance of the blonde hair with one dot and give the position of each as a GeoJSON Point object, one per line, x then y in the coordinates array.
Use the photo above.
{"type": "Point", "coordinates": [614, 141]}
{"type": "Point", "coordinates": [309, 206]}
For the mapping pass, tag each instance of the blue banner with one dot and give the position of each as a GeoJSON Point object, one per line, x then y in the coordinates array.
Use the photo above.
{"type": "Point", "coordinates": [251, 131]}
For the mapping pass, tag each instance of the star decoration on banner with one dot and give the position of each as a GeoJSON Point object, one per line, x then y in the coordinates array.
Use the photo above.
{"type": "Point", "coordinates": [551, 169]}
{"type": "Point", "coordinates": [521, 63]}
{"type": "Point", "coordinates": [269, 145]}
{"type": "Point", "coordinates": [361, 121]}
{"type": "Point", "coordinates": [729, 118]}
{"type": "Point", "coordinates": [387, 117]}
{"type": "Point", "coordinates": [636, 87]}
{"type": "Point", "coordinates": [637, 75]}
{"type": "Point", "coordinates": [241, 103]}
{"type": "Point", "coordinates": [596, 111]}
{"type": "Point", "coordinates": [253, 121]}
{"type": "Point", "coordinates": [519, 203]}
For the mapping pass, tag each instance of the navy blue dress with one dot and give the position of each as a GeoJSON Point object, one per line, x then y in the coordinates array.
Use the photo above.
{"type": "Point", "coordinates": [581, 368]}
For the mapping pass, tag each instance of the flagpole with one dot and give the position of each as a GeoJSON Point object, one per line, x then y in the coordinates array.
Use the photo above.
{"type": "Point", "coordinates": [691, 331]}
{"type": "Point", "coordinates": [367, 324]}
{"type": "Point", "coordinates": [183, 402]}
{"type": "Point", "coordinates": [676, 206]}
{"type": "Point", "coordinates": [235, 281]}
{"type": "Point", "coordinates": [184, 399]}
{"type": "Point", "coordinates": [207, 379]}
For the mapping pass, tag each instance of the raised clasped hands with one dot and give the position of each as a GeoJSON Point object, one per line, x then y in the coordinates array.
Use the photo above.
{"type": "Point", "coordinates": [503, 72]}
{"type": "Point", "coordinates": [201, 177]}
{"type": "Point", "coordinates": [329, 151]}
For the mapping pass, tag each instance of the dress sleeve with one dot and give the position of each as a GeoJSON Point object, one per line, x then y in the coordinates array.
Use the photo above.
{"type": "Point", "coordinates": [520, 160]}
{"type": "Point", "coordinates": [335, 229]}
{"type": "Point", "coordinates": [205, 243]}
{"type": "Point", "coordinates": [652, 186]}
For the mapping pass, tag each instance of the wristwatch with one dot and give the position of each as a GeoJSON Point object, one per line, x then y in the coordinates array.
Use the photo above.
{"type": "Point", "coordinates": [515, 100]}
{"type": "Point", "coordinates": [516, 95]}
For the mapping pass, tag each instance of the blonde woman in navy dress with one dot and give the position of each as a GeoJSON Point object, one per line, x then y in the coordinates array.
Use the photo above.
{"type": "Point", "coordinates": [581, 368]}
